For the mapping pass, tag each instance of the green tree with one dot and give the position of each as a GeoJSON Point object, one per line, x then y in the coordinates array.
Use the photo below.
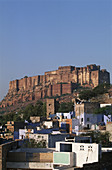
{"type": "Point", "coordinates": [66, 107]}
{"type": "Point", "coordinates": [98, 137]}
{"type": "Point", "coordinates": [17, 118]}
{"type": "Point", "coordinates": [104, 110]}
{"type": "Point", "coordinates": [33, 144]}
{"type": "Point", "coordinates": [27, 112]}
{"type": "Point", "coordinates": [86, 94]}
{"type": "Point", "coordinates": [40, 109]}
{"type": "Point", "coordinates": [101, 89]}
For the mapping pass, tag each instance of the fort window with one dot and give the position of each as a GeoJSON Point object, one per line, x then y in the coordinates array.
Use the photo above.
{"type": "Point", "coordinates": [81, 119]}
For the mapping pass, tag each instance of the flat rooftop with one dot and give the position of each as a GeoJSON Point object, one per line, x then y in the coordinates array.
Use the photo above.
{"type": "Point", "coordinates": [34, 150]}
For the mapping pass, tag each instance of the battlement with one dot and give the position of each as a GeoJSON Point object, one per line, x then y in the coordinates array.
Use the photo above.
{"type": "Point", "coordinates": [93, 67]}
{"type": "Point", "coordinates": [104, 70]}
{"type": "Point", "coordinates": [66, 68]}
{"type": "Point", "coordinates": [51, 72]}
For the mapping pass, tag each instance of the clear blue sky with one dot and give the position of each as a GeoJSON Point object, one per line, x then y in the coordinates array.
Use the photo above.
{"type": "Point", "coordinates": [40, 35]}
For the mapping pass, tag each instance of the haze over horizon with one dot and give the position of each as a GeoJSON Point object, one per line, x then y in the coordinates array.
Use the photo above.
{"type": "Point", "coordinates": [40, 35]}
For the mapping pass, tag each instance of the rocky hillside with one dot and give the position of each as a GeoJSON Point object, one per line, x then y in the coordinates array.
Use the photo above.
{"type": "Point", "coordinates": [103, 98]}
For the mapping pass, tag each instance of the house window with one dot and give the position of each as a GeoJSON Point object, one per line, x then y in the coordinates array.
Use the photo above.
{"type": "Point", "coordinates": [81, 119]}
{"type": "Point", "coordinates": [65, 147]}
{"type": "Point", "coordinates": [90, 148]}
{"type": "Point", "coordinates": [88, 119]}
{"type": "Point", "coordinates": [88, 126]}
{"type": "Point", "coordinates": [81, 147]}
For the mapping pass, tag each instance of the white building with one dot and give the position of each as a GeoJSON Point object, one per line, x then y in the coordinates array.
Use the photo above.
{"type": "Point", "coordinates": [76, 154]}
{"type": "Point", "coordinates": [49, 138]}
{"type": "Point", "coordinates": [39, 137]}
{"type": "Point", "coordinates": [105, 104]}
{"type": "Point", "coordinates": [107, 118]}
{"type": "Point", "coordinates": [22, 133]}
{"type": "Point", "coordinates": [69, 115]}
{"type": "Point", "coordinates": [48, 124]}
{"type": "Point", "coordinates": [85, 113]}
{"type": "Point", "coordinates": [87, 119]}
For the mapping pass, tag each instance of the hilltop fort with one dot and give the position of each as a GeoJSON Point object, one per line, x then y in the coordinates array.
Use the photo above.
{"type": "Point", "coordinates": [54, 83]}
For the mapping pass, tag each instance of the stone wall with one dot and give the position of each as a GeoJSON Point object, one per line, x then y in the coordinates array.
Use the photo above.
{"type": "Point", "coordinates": [29, 157]}
{"type": "Point", "coordinates": [109, 129]}
{"type": "Point", "coordinates": [4, 148]}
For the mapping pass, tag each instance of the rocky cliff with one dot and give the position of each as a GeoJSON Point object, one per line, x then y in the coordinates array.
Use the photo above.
{"type": "Point", "coordinates": [62, 81]}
